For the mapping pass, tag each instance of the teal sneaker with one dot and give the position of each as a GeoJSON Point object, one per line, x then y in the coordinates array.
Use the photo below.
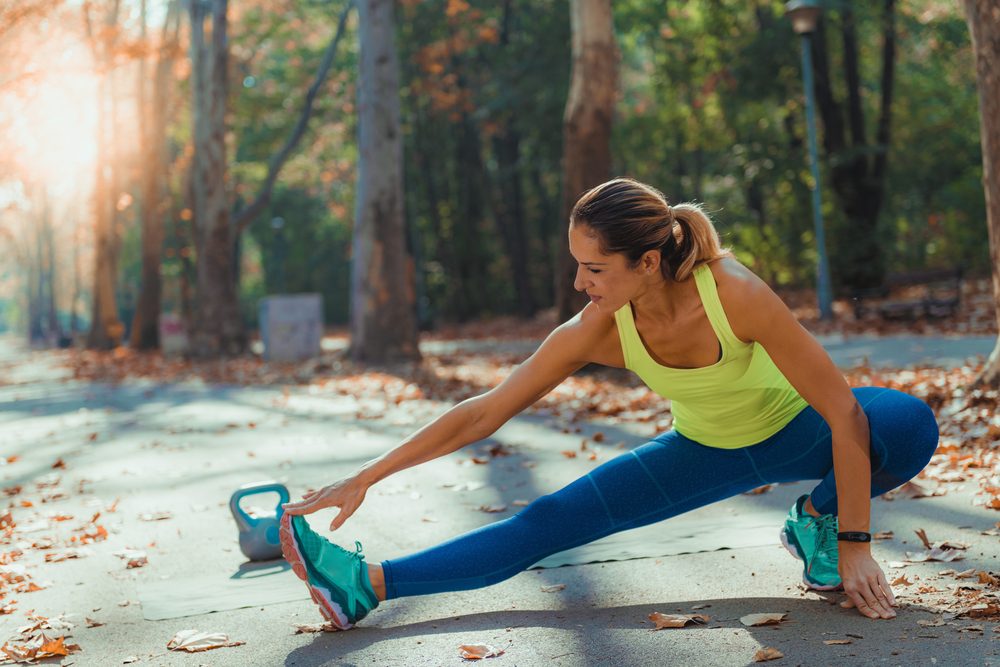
{"type": "Point", "coordinates": [337, 578]}
{"type": "Point", "coordinates": [813, 540]}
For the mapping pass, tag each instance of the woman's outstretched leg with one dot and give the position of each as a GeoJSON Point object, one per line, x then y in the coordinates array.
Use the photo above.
{"type": "Point", "coordinates": [658, 480]}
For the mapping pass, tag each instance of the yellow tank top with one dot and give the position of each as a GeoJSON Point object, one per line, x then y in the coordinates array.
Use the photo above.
{"type": "Point", "coordinates": [738, 401]}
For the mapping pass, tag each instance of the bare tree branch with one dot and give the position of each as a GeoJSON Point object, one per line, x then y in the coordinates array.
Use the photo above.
{"type": "Point", "coordinates": [248, 214]}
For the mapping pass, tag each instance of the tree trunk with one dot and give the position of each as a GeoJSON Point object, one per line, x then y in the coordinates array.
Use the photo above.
{"type": "Point", "coordinates": [105, 328]}
{"type": "Point", "coordinates": [983, 17]}
{"type": "Point", "coordinates": [858, 169]}
{"type": "Point", "coordinates": [218, 329]}
{"type": "Point", "coordinates": [586, 127]}
{"type": "Point", "coordinates": [145, 324]}
{"type": "Point", "coordinates": [508, 197]}
{"type": "Point", "coordinates": [383, 322]}
{"type": "Point", "coordinates": [508, 209]}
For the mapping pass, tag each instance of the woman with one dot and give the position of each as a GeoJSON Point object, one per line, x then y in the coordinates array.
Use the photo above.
{"type": "Point", "coordinates": [755, 400]}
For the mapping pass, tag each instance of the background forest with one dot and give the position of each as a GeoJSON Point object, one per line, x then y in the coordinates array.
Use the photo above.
{"type": "Point", "coordinates": [709, 108]}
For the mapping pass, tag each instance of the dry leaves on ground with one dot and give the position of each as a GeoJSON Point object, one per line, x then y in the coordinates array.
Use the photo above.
{"type": "Point", "coordinates": [767, 653]}
{"type": "Point", "coordinates": [677, 620]}
{"type": "Point", "coordinates": [768, 618]}
{"type": "Point", "coordinates": [479, 651]}
{"type": "Point", "coordinates": [193, 641]}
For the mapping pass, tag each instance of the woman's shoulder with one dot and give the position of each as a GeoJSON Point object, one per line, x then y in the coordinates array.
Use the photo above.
{"type": "Point", "coordinates": [741, 292]}
{"type": "Point", "coordinates": [595, 331]}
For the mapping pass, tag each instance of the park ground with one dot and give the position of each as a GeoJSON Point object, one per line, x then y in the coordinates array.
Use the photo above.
{"type": "Point", "coordinates": [117, 470]}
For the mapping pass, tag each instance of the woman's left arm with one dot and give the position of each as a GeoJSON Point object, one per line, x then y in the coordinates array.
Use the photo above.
{"type": "Point", "coordinates": [757, 313]}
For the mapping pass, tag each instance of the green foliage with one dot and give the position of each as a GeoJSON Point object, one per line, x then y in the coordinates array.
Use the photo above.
{"type": "Point", "coordinates": [711, 109]}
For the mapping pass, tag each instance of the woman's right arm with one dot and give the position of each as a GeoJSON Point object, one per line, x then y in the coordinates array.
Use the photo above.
{"type": "Point", "coordinates": [567, 349]}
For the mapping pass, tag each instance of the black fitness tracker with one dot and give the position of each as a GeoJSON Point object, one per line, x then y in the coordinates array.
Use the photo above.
{"type": "Point", "coordinates": [854, 536]}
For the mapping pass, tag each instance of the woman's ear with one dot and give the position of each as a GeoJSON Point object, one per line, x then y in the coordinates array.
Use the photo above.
{"type": "Point", "coordinates": [650, 262]}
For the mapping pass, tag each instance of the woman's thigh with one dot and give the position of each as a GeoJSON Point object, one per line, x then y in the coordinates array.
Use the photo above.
{"type": "Point", "coordinates": [668, 476]}
{"type": "Point", "coordinates": [903, 436]}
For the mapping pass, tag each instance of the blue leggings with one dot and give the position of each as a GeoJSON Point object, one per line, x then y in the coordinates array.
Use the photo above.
{"type": "Point", "coordinates": [663, 478]}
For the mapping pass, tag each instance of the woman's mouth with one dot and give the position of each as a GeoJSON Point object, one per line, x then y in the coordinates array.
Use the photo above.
{"type": "Point", "coordinates": [593, 298]}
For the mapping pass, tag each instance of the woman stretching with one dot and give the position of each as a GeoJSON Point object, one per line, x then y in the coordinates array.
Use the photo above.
{"type": "Point", "coordinates": [755, 400]}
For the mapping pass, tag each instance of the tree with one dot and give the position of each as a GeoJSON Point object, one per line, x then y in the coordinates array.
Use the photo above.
{"type": "Point", "coordinates": [586, 126]}
{"type": "Point", "coordinates": [219, 328]}
{"type": "Point", "coordinates": [858, 168]}
{"type": "Point", "coordinates": [153, 132]}
{"type": "Point", "coordinates": [383, 319]}
{"type": "Point", "coordinates": [983, 17]}
{"type": "Point", "coordinates": [106, 329]}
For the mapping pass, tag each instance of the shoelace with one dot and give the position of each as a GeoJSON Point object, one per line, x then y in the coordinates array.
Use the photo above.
{"type": "Point", "coordinates": [826, 526]}
{"type": "Point", "coordinates": [358, 553]}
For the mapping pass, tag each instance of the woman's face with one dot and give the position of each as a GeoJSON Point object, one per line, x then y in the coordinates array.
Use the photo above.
{"type": "Point", "coordinates": [606, 279]}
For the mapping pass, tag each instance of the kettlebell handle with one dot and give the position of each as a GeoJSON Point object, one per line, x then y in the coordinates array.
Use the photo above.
{"type": "Point", "coordinates": [244, 520]}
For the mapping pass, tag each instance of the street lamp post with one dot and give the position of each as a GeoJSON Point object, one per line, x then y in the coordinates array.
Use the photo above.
{"type": "Point", "coordinates": [804, 14]}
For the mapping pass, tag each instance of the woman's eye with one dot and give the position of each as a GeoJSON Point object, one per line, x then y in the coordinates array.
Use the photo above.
{"type": "Point", "coordinates": [595, 270]}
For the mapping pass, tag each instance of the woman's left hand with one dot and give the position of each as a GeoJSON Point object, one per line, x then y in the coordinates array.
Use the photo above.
{"type": "Point", "coordinates": [864, 582]}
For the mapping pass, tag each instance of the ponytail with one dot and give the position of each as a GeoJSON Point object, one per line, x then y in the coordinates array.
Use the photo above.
{"type": "Point", "coordinates": [693, 241]}
{"type": "Point", "coordinates": [631, 218]}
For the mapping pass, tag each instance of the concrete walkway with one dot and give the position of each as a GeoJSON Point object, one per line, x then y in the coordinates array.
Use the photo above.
{"type": "Point", "coordinates": [140, 448]}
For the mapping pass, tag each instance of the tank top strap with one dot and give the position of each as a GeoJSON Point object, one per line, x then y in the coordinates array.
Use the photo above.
{"type": "Point", "coordinates": [705, 282]}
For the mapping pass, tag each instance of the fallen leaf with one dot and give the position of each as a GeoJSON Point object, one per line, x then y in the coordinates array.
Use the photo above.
{"type": "Point", "coordinates": [568, 453]}
{"type": "Point", "coordinates": [193, 641]}
{"type": "Point", "coordinates": [767, 653]}
{"type": "Point", "coordinates": [314, 627]}
{"type": "Point", "coordinates": [769, 618]}
{"type": "Point", "coordinates": [492, 509]}
{"type": "Point", "coordinates": [478, 651]}
{"type": "Point", "coordinates": [883, 535]}
{"type": "Point", "coordinates": [676, 620]}
{"type": "Point", "coordinates": [923, 538]}
{"type": "Point", "coordinates": [910, 490]}
{"type": "Point", "coordinates": [966, 574]}
{"type": "Point", "coordinates": [553, 588]}
{"type": "Point", "coordinates": [130, 660]}
{"type": "Point", "coordinates": [759, 490]}
{"type": "Point", "coordinates": [836, 642]}
{"type": "Point", "coordinates": [901, 580]}
{"type": "Point", "coordinates": [156, 516]}
{"type": "Point", "coordinates": [132, 557]}
{"type": "Point", "coordinates": [930, 624]}
{"type": "Point", "coordinates": [91, 623]}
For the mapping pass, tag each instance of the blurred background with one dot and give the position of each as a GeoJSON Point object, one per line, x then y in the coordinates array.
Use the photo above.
{"type": "Point", "coordinates": [121, 121]}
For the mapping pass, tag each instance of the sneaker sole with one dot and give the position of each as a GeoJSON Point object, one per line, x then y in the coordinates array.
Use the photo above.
{"type": "Point", "coordinates": [794, 550]}
{"type": "Point", "coordinates": [330, 610]}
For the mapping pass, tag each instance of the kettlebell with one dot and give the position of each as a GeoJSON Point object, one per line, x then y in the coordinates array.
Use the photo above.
{"type": "Point", "coordinates": [259, 534]}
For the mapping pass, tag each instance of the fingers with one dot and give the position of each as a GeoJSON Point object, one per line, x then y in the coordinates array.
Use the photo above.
{"type": "Point", "coordinates": [310, 503]}
{"type": "Point", "coordinates": [867, 601]}
{"type": "Point", "coordinates": [886, 589]}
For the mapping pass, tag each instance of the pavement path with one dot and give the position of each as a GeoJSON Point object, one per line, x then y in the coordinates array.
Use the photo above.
{"type": "Point", "coordinates": [184, 448]}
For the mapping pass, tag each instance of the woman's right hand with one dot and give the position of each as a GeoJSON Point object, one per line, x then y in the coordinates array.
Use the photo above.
{"type": "Point", "coordinates": [347, 494]}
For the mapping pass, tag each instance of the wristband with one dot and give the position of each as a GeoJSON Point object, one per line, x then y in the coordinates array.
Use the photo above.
{"type": "Point", "coordinates": [854, 536]}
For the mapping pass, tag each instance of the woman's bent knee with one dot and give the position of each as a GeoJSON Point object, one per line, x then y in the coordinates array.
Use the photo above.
{"type": "Point", "coordinates": [909, 430]}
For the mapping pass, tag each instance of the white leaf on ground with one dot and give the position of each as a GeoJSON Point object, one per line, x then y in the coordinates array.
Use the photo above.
{"type": "Point", "coordinates": [769, 618]}
{"type": "Point", "coordinates": [553, 588]}
{"type": "Point", "coordinates": [836, 642]}
{"type": "Point", "coordinates": [156, 516]}
{"type": "Point", "coordinates": [193, 640]}
{"type": "Point", "coordinates": [478, 651]}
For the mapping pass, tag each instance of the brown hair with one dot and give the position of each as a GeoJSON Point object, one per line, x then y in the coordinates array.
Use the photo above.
{"type": "Point", "coordinates": [631, 218]}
